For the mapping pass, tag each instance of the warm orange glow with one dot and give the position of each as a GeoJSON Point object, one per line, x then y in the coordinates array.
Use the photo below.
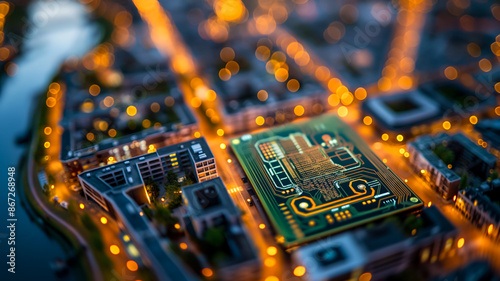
{"type": "Point", "coordinates": [342, 111]}
{"type": "Point", "coordinates": [94, 89]}
{"type": "Point", "coordinates": [446, 125]}
{"type": "Point", "coordinates": [400, 138]}
{"type": "Point", "coordinates": [196, 102]}
{"type": "Point", "coordinates": [451, 73]}
{"type": "Point", "coordinates": [197, 134]}
{"type": "Point", "coordinates": [46, 144]}
{"type": "Point", "coordinates": [405, 82]}
{"type": "Point", "coordinates": [347, 98]}
{"type": "Point", "coordinates": [360, 93]}
{"type": "Point", "coordinates": [281, 74]}
{"type": "Point", "coordinates": [104, 220]}
{"type": "Point", "coordinates": [384, 84]}
{"type": "Point", "coordinates": [108, 101]}
{"type": "Point", "coordinates": [473, 120]}
{"type": "Point", "coordinates": [132, 265]}
{"type": "Point", "coordinates": [299, 110]}
{"type": "Point", "coordinates": [233, 67]}
{"type": "Point", "coordinates": [183, 246]}
{"type": "Point", "coordinates": [272, 251]}
{"type": "Point", "coordinates": [270, 262]}
{"type": "Point", "coordinates": [4, 52]}
{"type": "Point", "coordinates": [333, 100]}
{"type": "Point", "coordinates": [112, 133]}
{"type": "Point", "coordinates": [222, 146]}
{"type": "Point", "coordinates": [490, 229]}
{"type": "Point", "coordinates": [260, 120]}
{"type": "Point", "coordinates": [265, 24]}
{"type": "Point", "coordinates": [262, 95]}
{"type": "Point", "coordinates": [333, 84]}
{"type": "Point", "coordinates": [474, 50]}
{"type": "Point", "coordinates": [115, 250]}
{"type": "Point", "coordinates": [293, 85]}
{"type": "Point", "coordinates": [367, 120]}
{"type": "Point", "coordinates": [460, 243]}
{"type": "Point", "coordinates": [485, 65]}
{"type": "Point", "coordinates": [322, 73]}
{"type": "Point", "coordinates": [299, 271]}
{"type": "Point", "coordinates": [272, 278]}
{"type": "Point", "coordinates": [131, 110]}
{"type": "Point", "coordinates": [385, 137]}
{"type": "Point", "coordinates": [177, 226]}
{"type": "Point", "coordinates": [224, 74]}
{"type": "Point", "coordinates": [51, 102]}
{"type": "Point", "coordinates": [367, 276]}
{"type": "Point", "coordinates": [262, 53]}
{"type": "Point", "coordinates": [429, 204]}
{"type": "Point", "coordinates": [227, 54]}
{"type": "Point", "coordinates": [230, 10]}
{"type": "Point", "coordinates": [47, 130]}
{"type": "Point", "coordinates": [155, 107]}
{"type": "Point", "coordinates": [207, 272]}
{"type": "Point", "coordinates": [82, 206]}
{"type": "Point", "coordinates": [262, 226]}
{"type": "Point", "coordinates": [220, 132]}
{"type": "Point", "coordinates": [87, 106]}
{"type": "Point", "coordinates": [54, 88]}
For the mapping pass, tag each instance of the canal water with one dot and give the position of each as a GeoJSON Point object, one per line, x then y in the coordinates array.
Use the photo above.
{"type": "Point", "coordinates": [56, 30]}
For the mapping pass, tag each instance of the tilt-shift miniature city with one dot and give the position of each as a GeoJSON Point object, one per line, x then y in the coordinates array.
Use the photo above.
{"type": "Point", "coordinates": [250, 140]}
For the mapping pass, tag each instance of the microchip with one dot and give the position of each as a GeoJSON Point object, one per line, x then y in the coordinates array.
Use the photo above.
{"type": "Point", "coordinates": [318, 177]}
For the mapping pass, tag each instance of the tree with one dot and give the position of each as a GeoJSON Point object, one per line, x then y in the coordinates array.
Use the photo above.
{"type": "Point", "coordinates": [188, 257]}
{"type": "Point", "coordinates": [187, 181]}
{"type": "Point", "coordinates": [96, 241]}
{"type": "Point", "coordinates": [172, 178]}
{"type": "Point", "coordinates": [51, 179]}
{"type": "Point", "coordinates": [464, 181]}
{"type": "Point", "coordinates": [214, 245]}
{"type": "Point", "coordinates": [412, 222]}
{"type": "Point", "coordinates": [73, 209]}
{"type": "Point", "coordinates": [173, 196]}
{"type": "Point", "coordinates": [164, 216]}
{"type": "Point", "coordinates": [493, 175]}
{"type": "Point", "coordinates": [214, 236]}
{"type": "Point", "coordinates": [153, 189]}
{"type": "Point", "coordinates": [88, 223]}
{"type": "Point", "coordinates": [46, 190]}
{"type": "Point", "coordinates": [444, 153]}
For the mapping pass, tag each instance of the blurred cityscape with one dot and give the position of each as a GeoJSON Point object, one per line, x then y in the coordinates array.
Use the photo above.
{"type": "Point", "coordinates": [240, 140]}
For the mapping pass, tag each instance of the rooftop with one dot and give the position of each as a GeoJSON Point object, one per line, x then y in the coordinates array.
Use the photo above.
{"type": "Point", "coordinates": [207, 197]}
{"type": "Point", "coordinates": [124, 175]}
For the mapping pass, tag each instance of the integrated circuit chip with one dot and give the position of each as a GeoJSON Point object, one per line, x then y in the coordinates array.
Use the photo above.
{"type": "Point", "coordinates": [318, 177]}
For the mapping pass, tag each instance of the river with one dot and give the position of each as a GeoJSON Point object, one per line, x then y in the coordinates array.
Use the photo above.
{"type": "Point", "coordinates": [57, 30]}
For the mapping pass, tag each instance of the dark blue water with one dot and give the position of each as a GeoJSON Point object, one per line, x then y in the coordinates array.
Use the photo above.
{"type": "Point", "coordinates": [57, 30]}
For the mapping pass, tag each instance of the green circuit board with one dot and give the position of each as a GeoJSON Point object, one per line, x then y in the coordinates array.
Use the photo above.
{"type": "Point", "coordinates": [318, 177]}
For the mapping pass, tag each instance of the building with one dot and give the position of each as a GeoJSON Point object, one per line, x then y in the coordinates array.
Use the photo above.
{"type": "Point", "coordinates": [207, 204]}
{"type": "Point", "coordinates": [254, 92]}
{"type": "Point", "coordinates": [466, 155]}
{"type": "Point", "coordinates": [193, 157]}
{"type": "Point", "coordinates": [474, 271]}
{"type": "Point", "coordinates": [378, 251]}
{"type": "Point", "coordinates": [338, 257]}
{"type": "Point", "coordinates": [119, 189]}
{"type": "Point", "coordinates": [400, 112]}
{"type": "Point", "coordinates": [490, 135]}
{"type": "Point", "coordinates": [79, 154]}
{"type": "Point", "coordinates": [480, 205]}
